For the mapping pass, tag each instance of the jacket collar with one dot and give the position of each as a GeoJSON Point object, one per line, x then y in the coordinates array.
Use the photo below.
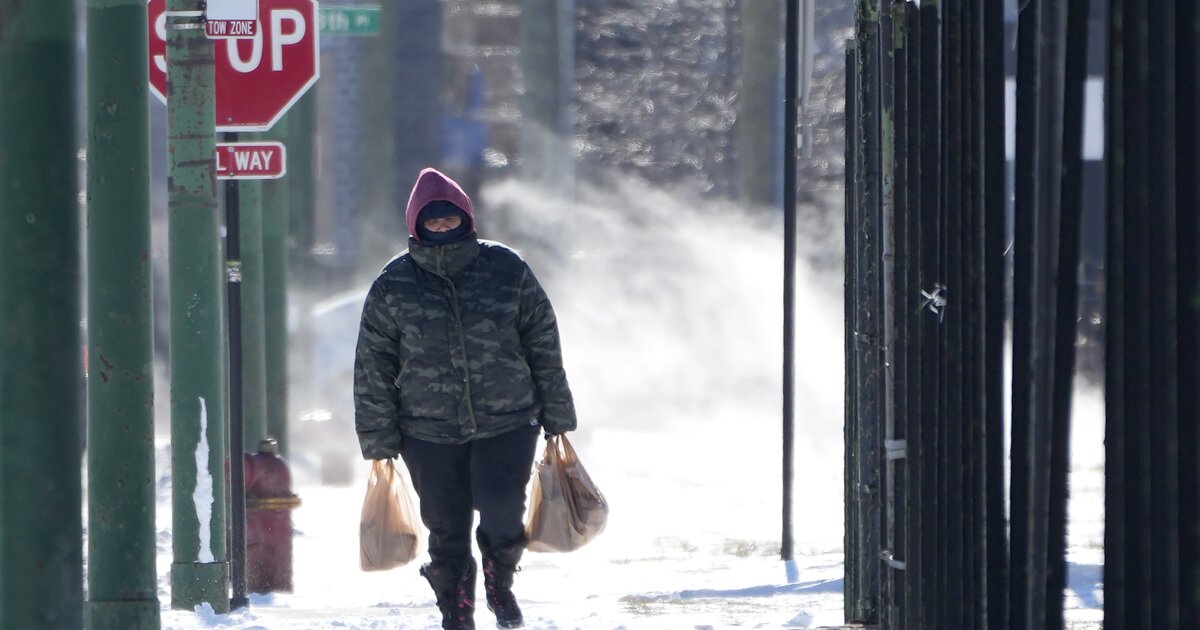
{"type": "Point", "coordinates": [446, 260]}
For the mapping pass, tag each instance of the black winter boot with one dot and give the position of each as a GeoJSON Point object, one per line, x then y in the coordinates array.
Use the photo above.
{"type": "Point", "coordinates": [455, 592]}
{"type": "Point", "coordinates": [498, 569]}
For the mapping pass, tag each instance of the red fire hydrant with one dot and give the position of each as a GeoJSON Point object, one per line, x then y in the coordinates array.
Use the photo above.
{"type": "Point", "coordinates": [269, 505]}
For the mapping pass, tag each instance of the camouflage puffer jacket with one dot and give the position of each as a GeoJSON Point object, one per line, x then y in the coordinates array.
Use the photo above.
{"type": "Point", "coordinates": [457, 342]}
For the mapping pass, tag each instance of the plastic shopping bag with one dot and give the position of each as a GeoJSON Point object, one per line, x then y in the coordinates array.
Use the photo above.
{"type": "Point", "coordinates": [389, 533]}
{"type": "Point", "coordinates": [567, 510]}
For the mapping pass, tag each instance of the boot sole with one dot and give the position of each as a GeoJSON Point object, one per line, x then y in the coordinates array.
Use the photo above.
{"type": "Point", "coordinates": [507, 625]}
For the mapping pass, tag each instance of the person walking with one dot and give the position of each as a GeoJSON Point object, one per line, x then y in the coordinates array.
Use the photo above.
{"type": "Point", "coordinates": [457, 370]}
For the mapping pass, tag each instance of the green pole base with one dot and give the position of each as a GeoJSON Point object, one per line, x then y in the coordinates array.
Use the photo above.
{"type": "Point", "coordinates": [130, 614]}
{"type": "Point", "coordinates": [195, 583]}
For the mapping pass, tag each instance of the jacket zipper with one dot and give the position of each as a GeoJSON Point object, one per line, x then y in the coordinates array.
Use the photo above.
{"type": "Point", "coordinates": [462, 343]}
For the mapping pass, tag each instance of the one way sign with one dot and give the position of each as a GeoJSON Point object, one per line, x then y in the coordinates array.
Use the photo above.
{"type": "Point", "coordinates": [251, 160]}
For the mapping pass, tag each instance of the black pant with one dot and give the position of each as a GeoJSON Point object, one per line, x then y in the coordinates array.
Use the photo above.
{"type": "Point", "coordinates": [453, 480]}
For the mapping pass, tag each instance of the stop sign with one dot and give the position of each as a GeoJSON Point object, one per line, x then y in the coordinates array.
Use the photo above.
{"type": "Point", "coordinates": [257, 79]}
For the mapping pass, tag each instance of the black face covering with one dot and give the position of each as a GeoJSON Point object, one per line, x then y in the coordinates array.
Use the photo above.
{"type": "Point", "coordinates": [441, 209]}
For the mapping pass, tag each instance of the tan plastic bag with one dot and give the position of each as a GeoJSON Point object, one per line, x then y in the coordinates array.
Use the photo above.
{"type": "Point", "coordinates": [566, 510]}
{"type": "Point", "coordinates": [389, 533]}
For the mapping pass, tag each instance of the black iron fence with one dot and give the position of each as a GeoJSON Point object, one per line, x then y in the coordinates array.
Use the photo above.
{"type": "Point", "coordinates": [934, 537]}
{"type": "Point", "coordinates": [1152, 521]}
{"type": "Point", "coordinates": [925, 310]}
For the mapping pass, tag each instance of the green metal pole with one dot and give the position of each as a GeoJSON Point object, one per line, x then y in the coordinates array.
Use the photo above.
{"type": "Point", "coordinates": [254, 360]}
{"type": "Point", "coordinates": [41, 553]}
{"type": "Point", "coordinates": [301, 123]}
{"type": "Point", "coordinates": [301, 204]}
{"type": "Point", "coordinates": [122, 582]}
{"type": "Point", "coordinates": [275, 221]}
{"type": "Point", "coordinates": [199, 573]}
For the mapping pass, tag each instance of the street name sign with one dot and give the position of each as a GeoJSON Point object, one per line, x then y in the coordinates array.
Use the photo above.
{"type": "Point", "coordinates": [231, 19]}
{"type": "Point", "coordinates": [251, 160]}
{"type": "Point", "coordinates": [360, 20]}
{"type": "Point", "coordinates": [257, 79]}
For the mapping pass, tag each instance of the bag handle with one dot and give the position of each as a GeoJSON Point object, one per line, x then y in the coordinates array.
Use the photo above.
{"type": "Point", "coordinates": [553, 452]}
{"type": "Point", "coordinates": [568, 451]}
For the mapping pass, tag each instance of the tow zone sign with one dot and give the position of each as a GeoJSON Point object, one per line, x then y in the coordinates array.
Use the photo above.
{"type": "Point", "coordinates": [231, 19]}
{"type": "Point", "coordinates": [251, 160]}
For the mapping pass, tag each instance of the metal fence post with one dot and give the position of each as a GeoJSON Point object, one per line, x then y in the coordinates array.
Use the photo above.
{"type": "Point", "coordinates": [850, 435]}
{"type": "Point", "coordinates": [1187, 90]}
{"type": "Point", "coordinates": [932, 301]}
{"type": "Point", "coordinates": [867, 325]}
{"type": "Point", "coordinates": [990, 31]}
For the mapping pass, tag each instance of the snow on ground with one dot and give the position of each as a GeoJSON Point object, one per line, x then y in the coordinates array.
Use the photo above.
{"type": "Point", "coordinates": [682, 549]}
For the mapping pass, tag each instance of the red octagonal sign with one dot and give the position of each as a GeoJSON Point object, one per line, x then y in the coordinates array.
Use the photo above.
{"type": "Point", "coordinates": [257, 79]}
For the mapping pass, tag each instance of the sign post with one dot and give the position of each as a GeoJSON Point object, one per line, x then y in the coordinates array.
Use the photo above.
{"type": "Point", "coordinates": [237, 446]}
{"type": "Point", "coordinates": [199, 571]}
